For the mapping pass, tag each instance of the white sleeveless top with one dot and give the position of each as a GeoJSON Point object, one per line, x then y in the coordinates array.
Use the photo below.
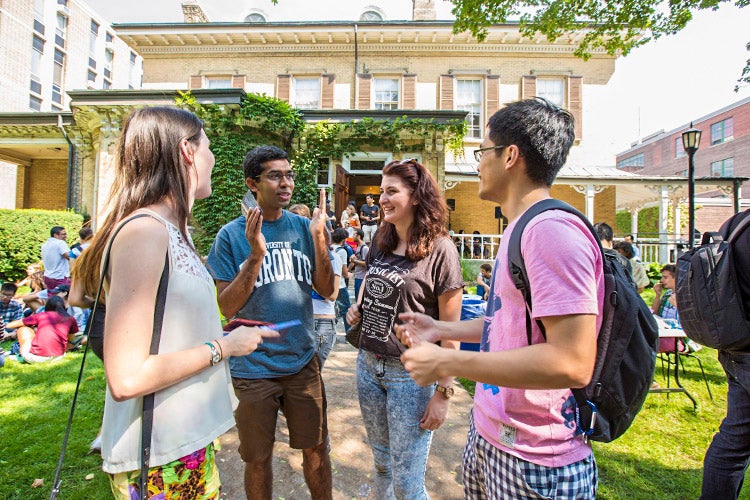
{"type": "Point", "coordinates": [192, 413]}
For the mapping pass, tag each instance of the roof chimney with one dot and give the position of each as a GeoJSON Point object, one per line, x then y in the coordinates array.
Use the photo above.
{"type": "Point", "coordinates": [424, 10]}
{"type": "Point", "coordinates": [192, 12]}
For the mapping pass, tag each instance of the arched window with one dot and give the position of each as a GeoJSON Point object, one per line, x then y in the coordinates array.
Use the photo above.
{"type": "Point", "coordinates": [255, 17]}
{"type": "Point", "coordinates": [371, 15]}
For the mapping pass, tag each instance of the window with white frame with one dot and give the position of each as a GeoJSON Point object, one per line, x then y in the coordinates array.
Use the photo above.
{"type": "Point", "coordinates": [723, 168]}
{"type": "Point", "coordinates": [58, 70]}
{"type": "Point", "coordinates": [306, 92]}
{"type": "Point", "coordinates": [36, 63]}
{"type": "Point", "coordinates": [679, 149]}
{"type": "Point", "coordinates": [367, 163]}
{"type": "Point", "coordinates": [552, 89]}
{"type": "Point", "coordinates": [386, 93]}
{"type": "Point", "coordinates": [633, 162]}
{"type": "Point", "coordinates": [39, 18]}
{"type": "Point", "coordinates": [61, 27]}
{"type": "Point", "coordinates": [133, 74]}
{"type": "Point", "coordinates": [468, 98]}
{"type": "Point", "coordinates": [219, 82]}
{"type": "Point", "coordinates": [324, 172]}
{"type": "Point", "coordinates": [722, 131]}
{"type": "Point", "coordinates": [109, 57]}
{"type": "Point", "coordinates": [93, 35]}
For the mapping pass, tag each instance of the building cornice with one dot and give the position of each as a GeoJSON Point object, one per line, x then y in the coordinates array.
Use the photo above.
{"type": "Point", "coordinates": [398, 36]}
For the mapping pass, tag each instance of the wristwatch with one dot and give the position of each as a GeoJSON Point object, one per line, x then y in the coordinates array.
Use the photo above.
{"type": "Point", "coordinates": [447, 392]}
{"type": "Point", "coordinates": [215, 354]}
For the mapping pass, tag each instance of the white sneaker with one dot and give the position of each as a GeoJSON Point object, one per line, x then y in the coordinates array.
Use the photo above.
{"type": "Point", "coordinates": [96, 446]}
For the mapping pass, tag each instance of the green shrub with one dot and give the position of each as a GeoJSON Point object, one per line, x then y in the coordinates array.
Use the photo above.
{"type": "Point", "coordinates": [22, 233]}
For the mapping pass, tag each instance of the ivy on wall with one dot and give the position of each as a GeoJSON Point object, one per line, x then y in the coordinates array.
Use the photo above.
{"type": "Point", "coordinates": [263, 120]}
{"type": "Point", "coordinates": [648, 221]}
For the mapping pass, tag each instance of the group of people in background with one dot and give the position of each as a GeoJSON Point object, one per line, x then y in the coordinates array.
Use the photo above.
{"type": "Point", "coordinates": [274, 265]}
{"type": "Point", "coordinates": [43, 321]}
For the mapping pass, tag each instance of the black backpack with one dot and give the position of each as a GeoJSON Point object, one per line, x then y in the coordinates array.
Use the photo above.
{"type": "Point", "coordinates": [626, 344]}
{"type": "Point", "coordinates": [711, 309]}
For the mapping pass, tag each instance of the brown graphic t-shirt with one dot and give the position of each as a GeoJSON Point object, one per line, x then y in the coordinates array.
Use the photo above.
{"type": "Point", "coordinates": [394, 284]}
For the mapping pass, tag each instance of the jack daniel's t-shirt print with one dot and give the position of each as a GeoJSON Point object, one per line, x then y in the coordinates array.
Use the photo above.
{"type": "Point", "coordinates": [394, 284]}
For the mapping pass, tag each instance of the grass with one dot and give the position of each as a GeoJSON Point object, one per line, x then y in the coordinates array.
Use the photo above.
{"type": "Point", "coordinates": [660, 456]}
{"type": "Point", "coordinates": [33, 414]}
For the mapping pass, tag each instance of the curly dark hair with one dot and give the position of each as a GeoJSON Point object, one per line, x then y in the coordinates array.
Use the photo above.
{"type": "Point", "coordinates": [430, 211]}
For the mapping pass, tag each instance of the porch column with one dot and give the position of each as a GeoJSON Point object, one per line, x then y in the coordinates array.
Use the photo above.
{"type": "Point", "coordinates": [634, 222]}
{"type": "Point", "coordinates": [663, 216]}
{"type": "Point", "coordinates": [589, 191]}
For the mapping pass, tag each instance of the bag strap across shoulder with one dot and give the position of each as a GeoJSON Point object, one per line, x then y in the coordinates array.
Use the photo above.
{"type": "Point", "coordinates": [516, 263]}
{"type": "Point", "coordinates": [148, 400]}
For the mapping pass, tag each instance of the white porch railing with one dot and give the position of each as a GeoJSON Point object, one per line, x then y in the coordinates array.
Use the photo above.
{"type": "Point", "coordinates": [485, 246]}
{"type": "Point", "coordinates": [477, 246]}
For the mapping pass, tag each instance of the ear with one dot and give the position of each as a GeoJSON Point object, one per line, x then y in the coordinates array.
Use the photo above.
{"type": "Point", "coordinates": [187, 151]}
{"type": "Point", "coordinates": [250, 183]}
{"type": "Point", "coordinates": [512, 156]}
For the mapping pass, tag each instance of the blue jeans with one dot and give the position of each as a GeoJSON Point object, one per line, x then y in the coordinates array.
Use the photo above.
{"type": "Point", "coordinates": [727, 458]}
{"type": "Point", "coordinates": [344, 303]}
{"type": "Point", "coordinates": [392, 405]}
{"type": "Point", "coordinates": [325, 338]}
{"type": "Point", "coordinates": [357, 286]}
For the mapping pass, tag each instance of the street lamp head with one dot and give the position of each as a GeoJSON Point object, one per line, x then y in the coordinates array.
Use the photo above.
{"type": "Point", "coordinates": [691, 139]}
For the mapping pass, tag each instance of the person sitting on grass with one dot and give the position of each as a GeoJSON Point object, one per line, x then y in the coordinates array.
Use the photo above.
{"type": "Point", "coordinates": [55, 330]}
{"type": "Point", "coordinates": [10, 310]}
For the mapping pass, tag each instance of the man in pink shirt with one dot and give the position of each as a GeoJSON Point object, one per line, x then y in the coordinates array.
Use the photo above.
{"type": "Point", "coordinates": [523, 441]}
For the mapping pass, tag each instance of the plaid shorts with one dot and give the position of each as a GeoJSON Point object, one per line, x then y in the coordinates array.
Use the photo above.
{"type": "Point", "coordinates": [490, 473]}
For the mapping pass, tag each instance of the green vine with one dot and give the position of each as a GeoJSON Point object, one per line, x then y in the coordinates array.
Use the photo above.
{"type": "Point", "coordinates": [233, 130]}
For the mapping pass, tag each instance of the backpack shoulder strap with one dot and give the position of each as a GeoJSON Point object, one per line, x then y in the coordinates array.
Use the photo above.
{"type": "Point", "coordinates": [516, 264]}
{"type": "Point", "coordinates": [739, 228]}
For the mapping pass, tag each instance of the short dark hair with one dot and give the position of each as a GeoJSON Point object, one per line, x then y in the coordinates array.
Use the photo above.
{"type": "Point", "coordinates": [625, 248]}
{"type": "Point", "coordinates": [670, 268]}
{"type": "Point", "coordinates": [85, 233]}
{"type": "Point", "coordinates": [56, 304]}
{"type": "Point", "coordinates": [604, 231]}
{"type": "Point", "coordinates": [542, 132]}
{"type": "Point", "coordinates": [56, 230]}
{"type": "Point", "coordinates": [359, 232]}
{"type": "Point", "coordinates": [252, 165]}
{"type": "Point", "coordinates": [339, 235]}
{"type": "Point", "coordinates": [486, 267]}
{"type": "Point", "coordinates": [9, 287]}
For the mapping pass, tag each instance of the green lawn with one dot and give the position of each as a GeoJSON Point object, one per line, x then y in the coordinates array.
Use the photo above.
{"type": "Point", "coordinates": [660, 457]}
{"type": "Point", "coordinates": [33, 415]}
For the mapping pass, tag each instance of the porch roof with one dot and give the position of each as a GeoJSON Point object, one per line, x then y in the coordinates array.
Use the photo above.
{"type": "Point", "coordinates": [632, 190]}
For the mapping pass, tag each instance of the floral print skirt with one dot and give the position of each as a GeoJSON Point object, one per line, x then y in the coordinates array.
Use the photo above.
{"type": "Point", "coordinates": [194, 476]}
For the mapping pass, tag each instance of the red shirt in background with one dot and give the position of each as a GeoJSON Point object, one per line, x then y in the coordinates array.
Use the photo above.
{"type": "Point", "coordinates": [52, 330]}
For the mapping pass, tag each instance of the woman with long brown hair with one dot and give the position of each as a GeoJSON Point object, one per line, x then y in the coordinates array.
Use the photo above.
{"type": "Point", "coordinates": [162, 165]}
{"type": "Point", "coordinates": [412, 266]}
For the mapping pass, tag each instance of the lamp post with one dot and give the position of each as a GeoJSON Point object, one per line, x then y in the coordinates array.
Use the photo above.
{"type": "Point", "coordinates": [691, 139]}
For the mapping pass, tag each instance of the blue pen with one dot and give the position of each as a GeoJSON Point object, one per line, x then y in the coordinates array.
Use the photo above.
{"type": "Point", "coordinates": [283, 325]}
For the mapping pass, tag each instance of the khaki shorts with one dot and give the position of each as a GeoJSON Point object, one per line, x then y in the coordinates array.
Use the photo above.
{"type": "Point", "coordinates": [301, 397]}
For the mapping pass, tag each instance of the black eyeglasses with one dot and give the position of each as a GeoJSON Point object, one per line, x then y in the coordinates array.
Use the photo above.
{"type": "Point", "coordinates": [276, 176]}
{"type": "Point", "coordinates": [478, 153]}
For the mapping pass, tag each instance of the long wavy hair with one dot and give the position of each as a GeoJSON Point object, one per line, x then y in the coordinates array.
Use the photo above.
{"type": "Point", "coordinates": [430, 211]}
{"type": "Point", "coordinates": [149, 169]}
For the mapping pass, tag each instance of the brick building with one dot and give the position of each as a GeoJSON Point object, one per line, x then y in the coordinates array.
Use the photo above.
{"type": "Point", "coordinates": [723, 153]}
{"type": "Point", "coordinates": [48, 47]}
{"type": "Point", "coordinates": [382, 62]}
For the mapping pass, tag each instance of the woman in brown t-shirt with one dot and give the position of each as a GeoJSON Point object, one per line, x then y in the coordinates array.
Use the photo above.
{"type": "Point", "coordinates": [413, 266]}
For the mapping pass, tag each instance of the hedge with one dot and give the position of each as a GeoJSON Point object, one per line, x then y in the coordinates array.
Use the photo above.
{"type": "Point", "coordinates": [22, 233]}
